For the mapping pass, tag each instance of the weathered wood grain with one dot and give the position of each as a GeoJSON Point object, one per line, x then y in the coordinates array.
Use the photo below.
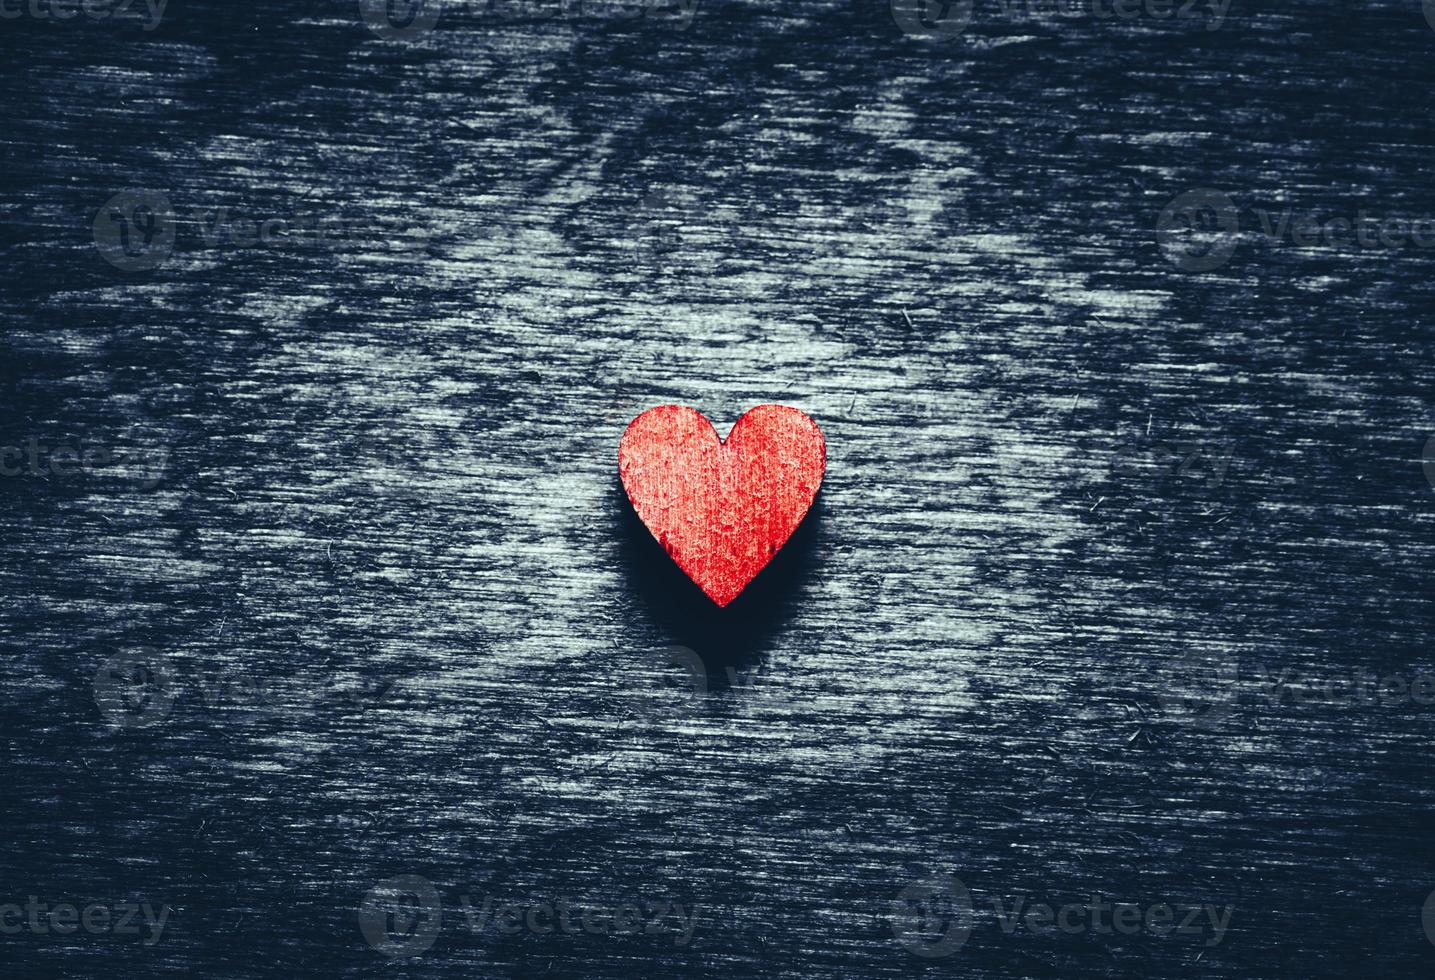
{"type": "Point", "coordinates": [1098, 533]}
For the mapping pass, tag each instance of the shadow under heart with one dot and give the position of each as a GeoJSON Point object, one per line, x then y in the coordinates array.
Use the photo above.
{"type": "Point", "coordinates": [735, 636]}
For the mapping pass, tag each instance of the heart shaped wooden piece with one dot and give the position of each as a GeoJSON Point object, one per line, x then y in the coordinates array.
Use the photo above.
{"type": "Point", "coordinates": [722, 510]}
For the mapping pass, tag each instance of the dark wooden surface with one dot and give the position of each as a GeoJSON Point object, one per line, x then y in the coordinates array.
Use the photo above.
{"type": "Point", "coordinates": [1082, 505]}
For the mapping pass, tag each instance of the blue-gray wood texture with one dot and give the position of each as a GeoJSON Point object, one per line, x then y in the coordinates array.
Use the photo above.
{"type": "Point", "coordinates": [318, 574]}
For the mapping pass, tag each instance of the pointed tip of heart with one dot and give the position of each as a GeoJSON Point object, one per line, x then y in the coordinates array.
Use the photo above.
{"type": "Point", "coordinates": [723, 599]}
{"type": "Point", "coordinates": [721, 593]}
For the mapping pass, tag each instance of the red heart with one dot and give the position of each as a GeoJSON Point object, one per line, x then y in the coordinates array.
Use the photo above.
{"type": "Point", "coordinates": [722, 509]}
